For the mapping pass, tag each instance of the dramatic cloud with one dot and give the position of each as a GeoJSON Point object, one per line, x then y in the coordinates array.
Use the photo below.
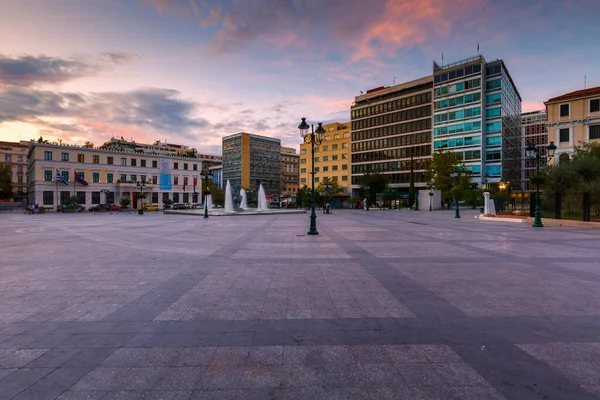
{"type": "Point", "coordinates": [28, 70]}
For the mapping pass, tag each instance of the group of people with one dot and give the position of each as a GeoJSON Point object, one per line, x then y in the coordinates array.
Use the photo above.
{"type": "Point", "coordinates": [327, 208]}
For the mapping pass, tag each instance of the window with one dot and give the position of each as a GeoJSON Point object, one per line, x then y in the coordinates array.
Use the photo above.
{"type": "Point", "coordinates": [325, 158]}
{"type": "Point", "coordinates": [195, 167]}
{"type": "Point", "coordinates": [185, 180]}
{"type": "Point", "coordinates": [186, 197]}
{"type": "Point", "coordinates": [155, 164]}
{"type": "Point", "coordinates": [334, 157]}
{"type": "Point", "coordinates": [493, 112]}
{"type": "Point", "coordinates": [109, 160]}
{"type": "Point", "coordinates": [564, 110]}
{"type": "Point", "coordinates": [303, 170]}
{"type": "Point", "coordinates": [95, 178]}
{"type": "Point", "coordinates": [325, 169]}
{"type": "Point", "coordinates": [133, 162]}
{"type": "Point", "coordinates": [80, 197]}
{"type": "Point", "coordinates": [344, 177]}
{"type": "Point", "coordinates": [47, 155]}
{"type": "Point", "coordinates": [175, 197]}
{"type": "Point", "coordinates": [95, 197]}
{"type": "Point", "coordinates": [334, 147]}
{"type": "Point", "coordinates": [344, 167]}
{"type": "Point", "coordinates": [317, 179]}
{"type": "Point", "coordinates": [48, 175]}
{"type": "Point", "coordinates": [303, 161]}
{"type": "Point", "coordinates": [19, 158]}
{"type": "Point", "coordinates": [303, 180]}
{"type": "Point", "coordinates": [175, 180]}
{"type": "Point", "coordinates": [303, 151]}
{"type": "Point", "coordinates": [154, 179]}
{"type": "Point", "coordinates": [564, 135]}
{"type": "Point", "coordinates": [316, 169]}
{"type": "Point", "coordinates": [123, 178]}
{"type": "Point", "coordinates": [317, 159]}
{"type": "Point", "coordinates": [185, 166]}
{"type": "Point", "coordinates": [345, 145]}
{"type": "Point", "coordinates": [96, 159]}
{"type": "Point", "coordinates": [334, 168]}
{"type": "Point", "coordinates": [594, 132]}
{"type": "Point", "coordinates": [325, 148]}
{"type": "Point", "coordinates": [123, 161]}
{"type": "Point", "coordinates": [64, 156]}
{"type": "Point", "coordinates": [176, 165]}
{"type": "Point", "coordinates": [594, 105]}
{"type": "Point", "coordinates": [154, 198]}
{"type": "Point", "coordinates": [165, 196]}
{"type": "Point", "coordinates": [80, 158]}
{"type": "Point", "coordinates": [493, 155]}
{"type": "Point", "coordinates": [133, 178]}
{"type": "Point", "coordinates": [344, 156]}
{"type": "Point", "coordinates": [48, 198]}
{"type": "Point", "coordinates": [143, 163]}
{"type": "Point", "coordinates": [65, 175]}
{"type": "Point", "coordinates": [143, 178]}
{"type": "Point", "coordinates": [109, 178]}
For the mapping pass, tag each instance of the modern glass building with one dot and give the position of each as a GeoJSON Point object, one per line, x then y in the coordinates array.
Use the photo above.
{"type": "Point", "coordinates": [477, 114]}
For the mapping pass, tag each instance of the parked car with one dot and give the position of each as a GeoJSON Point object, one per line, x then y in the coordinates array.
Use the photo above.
{"type": "Point", "coordinates": [80, 207]}
{"type": "Point", "coordinates": [179, 206]}
{"type": "Point", "coordinates": [114, 207]}
{"type": "Point", "coordinates": [152, 207]}
{"type": "Point", "coordinates": [197, 205]}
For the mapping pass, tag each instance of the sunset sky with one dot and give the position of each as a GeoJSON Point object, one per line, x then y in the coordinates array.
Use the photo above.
{"type": "Point", "coordinates": [192, 71]}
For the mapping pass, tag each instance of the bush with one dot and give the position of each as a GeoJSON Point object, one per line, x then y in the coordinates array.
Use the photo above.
{"type": "Point", "coordinates": [125, 203]}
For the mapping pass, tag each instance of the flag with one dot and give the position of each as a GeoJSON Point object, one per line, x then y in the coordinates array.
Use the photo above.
{"type": "Point", "coordinates": [60, 178]}
{"type": "Point", "coordinates": [79, 179]}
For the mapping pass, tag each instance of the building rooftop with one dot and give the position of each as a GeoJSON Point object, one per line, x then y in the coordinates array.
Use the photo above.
{"type": "Point", "coordinates": [576, 94]}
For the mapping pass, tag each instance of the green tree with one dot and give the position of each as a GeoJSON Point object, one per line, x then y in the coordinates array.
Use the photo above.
{"type": "Point", "coordinates": [438, 170]}
{"type": "Point", "coordinates": [218, 195]}
{"type": "Point", "coordinates": [88, 145]}
{"type": "Point", "coordinates": [329, 189]}
{"type": "Point", "coordinates": [6, 189]}
{"type": "Point", "coordinates": [42, 140]}
{"type": "Point", "coordinates": [303, 196]}
{"type": "Point", "coordinates": [558, 179]}
{"type": "Point", "coordinates": [353, 201]}
{"type": "Point", "coordinates": [371, 183]}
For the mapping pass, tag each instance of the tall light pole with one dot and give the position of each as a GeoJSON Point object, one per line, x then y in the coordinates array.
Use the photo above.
{"type": "Point", "coordinates": [314, 138]}
{"type": "Point", "coordinates": [206, 173]}
{"type": "Point", "coordinates": [456, 175]}
{"type": "Point", "coordinates": [533, 153]}
{"type": "Point", "coordinates": [140, 186]}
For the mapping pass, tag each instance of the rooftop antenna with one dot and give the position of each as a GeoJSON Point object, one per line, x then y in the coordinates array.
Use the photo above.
{"type": "Point", "coordinates": [585, 81]}
{"type": "Point", "coordinates": [442, 59]}
{"type": "Point", "coordinates": [361, 92]}
{"type": "Point", "coordinates": [478, 47]}
{"type": "Point", "coordinates": [394, 80]}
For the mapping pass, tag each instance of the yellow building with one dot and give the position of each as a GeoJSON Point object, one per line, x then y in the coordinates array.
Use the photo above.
{"type": "Point", "coordinates": [290, 173]}
{"type": "Point", "coordinates": [573, 119]}
{"type": "Point", "coordinates": [108, 176]}
{"type": "Point", "coordinates": [332, 158]}
{"type": "Point", "coordinates": [14, 156]}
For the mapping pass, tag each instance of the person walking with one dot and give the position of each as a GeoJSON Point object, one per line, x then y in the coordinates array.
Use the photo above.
{"type": "Point", "coordinates": [327, 208]}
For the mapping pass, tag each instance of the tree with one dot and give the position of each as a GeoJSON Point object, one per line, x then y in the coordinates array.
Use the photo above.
{"type": "Point", "coordinates": [88, 145]}
{"type": "Point", "coordinates": [371, 183]}
{"type": "Point", "coordinates": [353, 201]}
{"type": "Point", "coordinates": [6, 189]}
{"type": "Point", "coordinates": [438, 170]}
{"type": "Point", "coordinates": [217, 195]}
{"type": "Point", "coordinates": [329, 189]}
{"type": "Point", "coordinates": [42, 140]}
{"type": "Point", "coordinates": [303, 196]}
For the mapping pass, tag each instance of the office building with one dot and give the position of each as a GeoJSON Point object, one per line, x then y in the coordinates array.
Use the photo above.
{"type": "Point", "coordinates": [391, 129]}
{"type": "Point", "coordinates": [535, 132]}
{"type": "Point", "coordinates": [477, 114]}
{"type": "Point", "coordinates": [109, 176]}
{"type": "Point", "coordinates": [249, 160]}
{"type": "Point", "coordinates": [573, 119]}
{"type": "Point", "coordinates": [290, 174]}
{"type": "Point", "coordinates": [332, 160]}
{"type": "Point", "coordinates": [14, 156]}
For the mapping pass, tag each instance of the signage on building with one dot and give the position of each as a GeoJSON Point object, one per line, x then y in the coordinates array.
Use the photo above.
{"type": "Point", "coordinates": [165, 174]}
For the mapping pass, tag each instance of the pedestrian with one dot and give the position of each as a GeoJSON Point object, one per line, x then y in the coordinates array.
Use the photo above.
{"type": "Point", "coordinates": [327, 207]}
{"type": "Point", "coordinates": [324, 208]}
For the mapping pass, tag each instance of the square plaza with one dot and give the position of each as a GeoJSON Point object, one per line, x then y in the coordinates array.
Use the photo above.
{"type": "Point", "coordinates": [379, 305]}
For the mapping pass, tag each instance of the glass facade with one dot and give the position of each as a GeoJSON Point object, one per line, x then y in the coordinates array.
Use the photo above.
{"type": "Point", "coordinates": [477, 114]}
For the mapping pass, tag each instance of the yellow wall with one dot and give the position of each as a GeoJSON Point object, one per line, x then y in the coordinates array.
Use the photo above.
{"type": "Point", "coordinates": [335, 134]}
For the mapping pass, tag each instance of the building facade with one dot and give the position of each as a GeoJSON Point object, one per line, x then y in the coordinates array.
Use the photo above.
{"type": "Point", "coordinates": [391, 130]}
{"type": "Point", "coordinates": [332, 158]}
{"type": "Point", "coordinates": [477, 114]}
{"type": "Point", "coordinates": [111, 176]}
{"type": "Point", "coordinates": [14, 156]}
{"type": "Point", "coordinates": [249, 160]}
{"type": "Point", "coordinates": [535, 132]}
{"type": "Point", "coordinates": [573, 119]}
{"type": "Point", "coordinates": [290, 173]}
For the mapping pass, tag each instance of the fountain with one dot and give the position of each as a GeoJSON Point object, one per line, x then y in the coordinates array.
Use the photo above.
{"type": "Point", "coordinates": [262, 199]}
{"type": "Point", "coordinates": [244, 201]}
{"type": "Point", "coordinates": [228, 198]}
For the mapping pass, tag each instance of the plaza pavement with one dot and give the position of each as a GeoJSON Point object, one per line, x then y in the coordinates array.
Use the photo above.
{"type": "Point", "coordinates": [381, 305]}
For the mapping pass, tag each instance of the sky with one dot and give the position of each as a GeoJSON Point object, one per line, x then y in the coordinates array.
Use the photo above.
{"type": "Point", "coordinates": [192, 71]}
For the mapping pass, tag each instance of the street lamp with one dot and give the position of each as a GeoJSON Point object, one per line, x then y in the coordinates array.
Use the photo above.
{"type": "Point", "coordinates": [456, 175]}
{"type": "Point", "coordinates": [140, 186]}
{"type": "Point", "coordinates": [431, 186]}
{"type": "Point", "coordinates": [314, 138]}
{"type": "Point", "coordinates": [533, 153]}
{"type": "Point", "coordinates": [206, 173]}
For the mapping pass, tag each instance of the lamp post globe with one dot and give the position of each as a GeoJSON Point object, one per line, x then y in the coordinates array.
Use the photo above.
{"type": "Point", "coordinates": [314, 138]}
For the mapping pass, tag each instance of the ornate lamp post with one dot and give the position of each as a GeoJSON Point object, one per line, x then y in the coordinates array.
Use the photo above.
{"type": "Point", "coordinates": [456, 175]}
{"type": "Point", "coordinates": [140, 185]}
{"type": "Point", "coordinates": [314, 138]}
{"type": "Point", "coordinates": [533, 153]}
{"type": "Point", "coordinates": [206, 173]}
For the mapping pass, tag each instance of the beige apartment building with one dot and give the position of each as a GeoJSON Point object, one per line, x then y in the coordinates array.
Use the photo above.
{"type": "Point", "coordinates": [573, 119]}
{"type": "Point", "coordinates": [332, 159]}
{"type": "Point", "coordinates": [14, 156]}
{"type": "Point", "coordinates": [108, 175]}
{"type": "Point", "coordinates": [290, 173]}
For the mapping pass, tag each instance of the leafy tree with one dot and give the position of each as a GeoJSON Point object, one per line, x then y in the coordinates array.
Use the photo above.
{"type": "Point", "coordinates": [329, 189]}
{"type": "Point", "coordinates": [88, 145]}
{"type": "Point", "coordinates": [371, 183]}
{"type": "Point", "coordinates": [42, 140]}
{"type": "Point", "coordinates": [353, 201]}
{"type": "Point", "coordinates": [303, 196]}
{"type": "Point", "coordinates": [218, 195]}
{"type": "Point", "coordinates": [105, 145]}
{"type": "Point", "coordinates": [6, 189]}
{"type": "Point", "coordinates": [438, 170]}
{"type": "Point", "coordinates": [125, 202]}
{"type": "Point", "coordinates": [558, 179]}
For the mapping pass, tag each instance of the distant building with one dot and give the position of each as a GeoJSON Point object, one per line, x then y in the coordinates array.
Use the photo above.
{"type": "Point", "coordinates": [573, 119]}
{"type": "Point", "coordinates": [249, 160]}
{"type": "Point", "coordinates": [14, 156]}
{"type": "Point", "coordinates": [111, 175]}
{"type": "Point", "coordinates": [217, 175]}
{"type": "Point", "coordinates": [477, 114]}
{"type": "Point", "coordinates": [290, 173]}
{"type": "Point", "coordinates": [332, 159]}
{"type": "Point", "coordinates": [535, 132]}
{"type": "Point", "coordinates": [390, 127]}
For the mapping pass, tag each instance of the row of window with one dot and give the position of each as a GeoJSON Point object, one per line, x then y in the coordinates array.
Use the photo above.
{"type": "Point", "coordinates": [565, 109]}
{"type": "Point", "coordinates": [65, 196]}
{"type": "Point", "coordinates": [392, 154]}
{"type": "Point", "coordinates": [326, 168]}
{"type": "Point", "coordinates": [458, 114]}
{"type": "Point", "coordinates": [48, 177]}
{"type": "Point", "coordinates": [457, 129]}
{"type": "Point", "coordinates": [325, 178]}
{"type": "Point", "coordinates": [391, 118]}
{"type": "Point", "coordinates": [111, 161]}
{"type": "Point", "coordinates": [416, 100]}
{"type": "Point", "coordinates": [458, 101]}
{"type": "Point", "coordinates": [414, 126]}
{"type": "Point", "coordinates": [397, 178]}
{"type": "Point", "coordinates": [8, 158]}
{"type": "Point", "coordinates": [458, 73]}
{"type": "Point", "coordinates": [458, 142]}
{"type": "Point", "coordinates": [395, 141]}
{"type": "Point", "coordinates": [389, 166]}
{"type": "Point", "coordinates": [457, 87]}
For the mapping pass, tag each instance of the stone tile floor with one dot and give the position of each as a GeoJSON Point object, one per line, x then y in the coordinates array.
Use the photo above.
{"type": "Point", "coordinates": [380, 305]}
